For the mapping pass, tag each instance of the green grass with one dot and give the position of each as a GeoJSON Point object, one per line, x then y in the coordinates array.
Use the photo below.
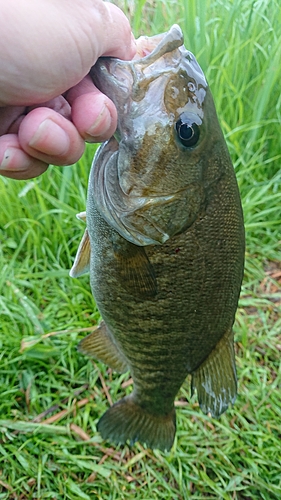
{"type": "Point", "coordinates": [236, 457]}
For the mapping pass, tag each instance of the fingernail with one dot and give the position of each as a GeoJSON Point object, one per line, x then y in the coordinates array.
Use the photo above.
{"type": "Point", "coordinates": [6, 158]}
{"type": "Point", "coordinates": [50, 139]}
{"type": "Point", "coordinates": [14, 159]}
{"type": "Point", "coordinates": [102, 123]}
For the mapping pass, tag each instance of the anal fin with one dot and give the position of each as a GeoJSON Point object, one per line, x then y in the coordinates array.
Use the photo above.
{"type": "Point", "coordinates": [215, 379]}
{"type": "Point", "coordinates": [100, 345]}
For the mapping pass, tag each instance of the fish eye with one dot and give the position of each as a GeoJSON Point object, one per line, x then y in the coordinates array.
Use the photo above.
{"type": "Point", "coordinates": [188, 131]}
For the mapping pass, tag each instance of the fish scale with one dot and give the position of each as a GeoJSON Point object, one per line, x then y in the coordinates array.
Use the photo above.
{"type": "Point", "coordinates": [165, 243]}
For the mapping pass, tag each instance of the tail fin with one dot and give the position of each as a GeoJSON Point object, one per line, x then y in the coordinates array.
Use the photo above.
{"type": "Point", "coordinates": [126, 420]}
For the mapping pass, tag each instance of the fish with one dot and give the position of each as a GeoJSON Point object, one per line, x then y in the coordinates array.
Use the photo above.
{"type": "Point", "coordinates": [164, 242]}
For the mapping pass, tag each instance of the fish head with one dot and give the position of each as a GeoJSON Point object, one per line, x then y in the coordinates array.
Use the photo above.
{"type": "Point", "coordinates": [153, 185]}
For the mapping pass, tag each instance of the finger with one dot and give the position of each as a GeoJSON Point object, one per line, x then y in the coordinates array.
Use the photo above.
{"type": "Point", "coordinates": [93, 113]}
{"type": "Point", "coordinates": [120, 41]}
{"type": "Point", "coordinates": [49, 137]}
{"type": "Point", "coordinates": [58, 104]}
{"type": "Point", "coordinates": [9, 117]}
{"type": "Point", "coordinates": [95, 117]}
{"type": "Point", "coordinates": [12, 116]}
{"type": "Point", "coordinates": [15, 163]}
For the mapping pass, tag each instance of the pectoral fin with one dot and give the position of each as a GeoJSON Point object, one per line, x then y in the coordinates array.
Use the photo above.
{"type": "Point", "coordinates": [215, 380]}
{"type": "Point", "coordinates": [81, 263]}
{"type": "Point", "coordinates": [100, 345]}
{"type": "Point", "coordinates": [134, 268]}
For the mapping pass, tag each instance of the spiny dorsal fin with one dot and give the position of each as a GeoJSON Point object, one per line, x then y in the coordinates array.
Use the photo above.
{"type": "Point", "coordinates": [81, 263]}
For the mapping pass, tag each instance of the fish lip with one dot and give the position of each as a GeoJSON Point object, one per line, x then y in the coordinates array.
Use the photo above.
{"type": "Point", "coordinates": [174, 37]}
{"type": "Point", "coordinates": [106, 66]}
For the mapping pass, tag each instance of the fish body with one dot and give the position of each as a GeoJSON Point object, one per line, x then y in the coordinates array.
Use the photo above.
{"type": "Point", "coordinates": [165, 242]}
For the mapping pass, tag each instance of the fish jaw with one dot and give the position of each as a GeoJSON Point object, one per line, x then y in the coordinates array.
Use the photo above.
{"type": "Point", "coordinates": [118, 78]}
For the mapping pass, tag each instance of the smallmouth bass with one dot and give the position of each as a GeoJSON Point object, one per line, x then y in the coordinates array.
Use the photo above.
{"type": "Point", "coordinates": [164, 242]}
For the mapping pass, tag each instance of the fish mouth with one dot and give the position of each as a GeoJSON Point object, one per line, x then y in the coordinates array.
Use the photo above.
{"type": "Point", "coordinates": [116, 78]}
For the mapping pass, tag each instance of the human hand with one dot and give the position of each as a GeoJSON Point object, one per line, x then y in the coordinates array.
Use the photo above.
{"type": "Point", "coordinates": [48, 103]}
